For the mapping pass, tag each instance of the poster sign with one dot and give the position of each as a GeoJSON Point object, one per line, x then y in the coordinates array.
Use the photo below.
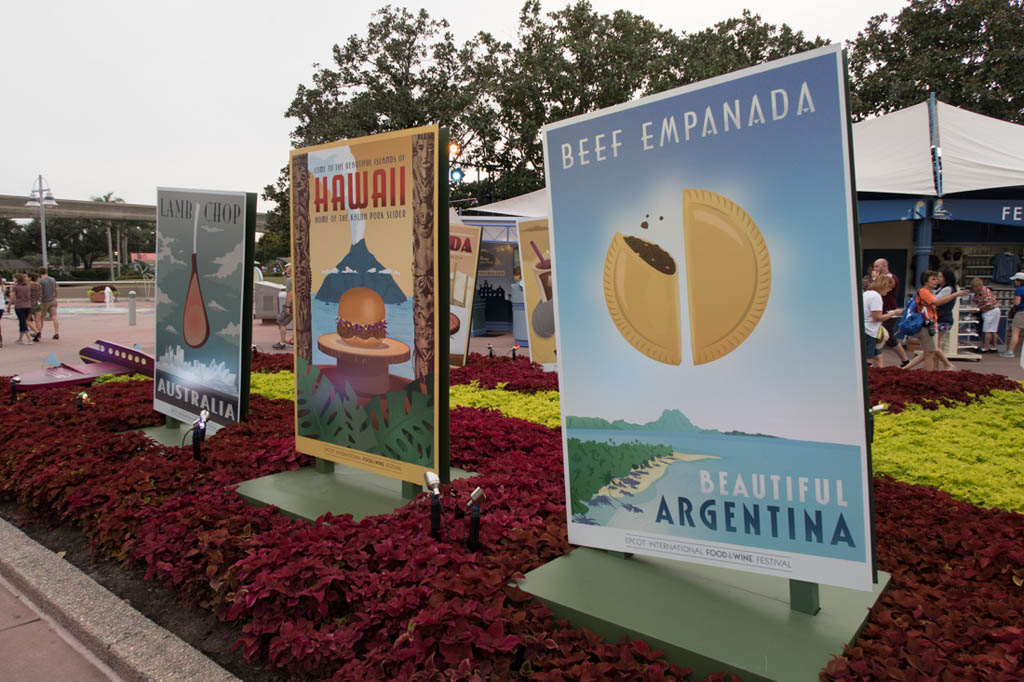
{"type": "Point", "coordinates": [463, 254]}
{"type": "Point", "coordinates": [709, 337]}
{"type": "Point", "coordinates": [204, 275]}
{"type": "Point", "coordinates": [535, 252]}
{"type": "Point", "coordinates": [371, 347]}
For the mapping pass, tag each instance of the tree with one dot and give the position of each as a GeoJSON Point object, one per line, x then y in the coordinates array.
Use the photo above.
{"type": "Point", "coordinates": [566, 63]}
{"type": "Point", "coordinates": [966, 51]}
{"type": "Point", "coordinates": [730, 45]}
{"type": "Point", "coordinates": [110, 199]}
{"type": "Point", "coordinates": [18, 240]}
{"type": "Point", "coordinates": [495, 96]}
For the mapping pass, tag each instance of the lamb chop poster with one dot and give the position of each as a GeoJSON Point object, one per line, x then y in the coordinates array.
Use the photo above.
{"type": "Point", "coordinates": [371, 362]}
{"type": "Point", "coordinates": [204, 275]}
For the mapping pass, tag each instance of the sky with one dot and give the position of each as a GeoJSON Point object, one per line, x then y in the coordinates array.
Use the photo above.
{"type": "Point", "coordinates": [118, 96]}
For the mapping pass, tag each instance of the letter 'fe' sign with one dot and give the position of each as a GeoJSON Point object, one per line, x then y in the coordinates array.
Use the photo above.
{"type": "Point", "coordinates": [685, 229]}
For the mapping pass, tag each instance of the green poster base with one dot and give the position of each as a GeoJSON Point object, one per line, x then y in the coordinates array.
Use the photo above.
{"type": "Point", "coordinates": [308, 494]}
{"type": "Point", "coordinates": [705, 618]}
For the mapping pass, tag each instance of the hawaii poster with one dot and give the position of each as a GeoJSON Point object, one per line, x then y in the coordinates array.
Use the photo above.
{"type": "Point", "coordinates": [707, 300]}
{"type": "Point", "coordinates": [535, 253]}
{"type": "Point", "coordinates": [203, 303]}
{"type": "Point", "coordinates": [371, 358]}
{"type": "Point", "coordinates": [463, 255]}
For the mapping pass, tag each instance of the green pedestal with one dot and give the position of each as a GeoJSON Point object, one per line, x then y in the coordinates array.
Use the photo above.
{"type": "Point", "coordinates": [175, 433]}
{"type": "Point", "coordinates": [709, 619]}
{"type": "Point", "coordinates": [308, 493]}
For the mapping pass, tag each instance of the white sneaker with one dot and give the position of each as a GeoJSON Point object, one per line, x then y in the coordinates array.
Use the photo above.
{"type": "Point", "coordinates": [1006, 354]}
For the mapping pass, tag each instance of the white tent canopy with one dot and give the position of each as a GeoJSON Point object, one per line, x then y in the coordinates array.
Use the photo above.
{"type": "Point", "coordinates": [892, 155]}
{"type": "Point", "coordinates": [532, 205]}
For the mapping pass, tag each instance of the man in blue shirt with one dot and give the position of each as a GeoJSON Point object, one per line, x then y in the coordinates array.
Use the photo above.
{"type": "Point", "coordinates": [48, 303]}
{"type": "Point", "coordinates": [1018, 317]}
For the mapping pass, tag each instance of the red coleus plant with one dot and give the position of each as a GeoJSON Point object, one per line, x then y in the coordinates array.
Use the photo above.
{"type": "Point", "coordinates": [379, 599]}
{"type": "Point", "coordinates": [519, 374]}
{"type": "Point", "coordinates": [899, 388]}
{"type": "Point", "coordinates": [272, 362]}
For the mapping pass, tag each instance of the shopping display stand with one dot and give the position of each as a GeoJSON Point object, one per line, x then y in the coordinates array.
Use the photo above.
{"type": "Point", "coordinates": [964, 335]}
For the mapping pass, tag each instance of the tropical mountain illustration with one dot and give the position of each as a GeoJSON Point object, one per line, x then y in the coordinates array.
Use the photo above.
{"type": "Point", "coordinates": [360, 268]}
{"type": "Point", "coordinates": [670, 421]}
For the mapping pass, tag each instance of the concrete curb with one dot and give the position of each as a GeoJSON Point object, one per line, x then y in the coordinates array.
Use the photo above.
{"type": "Point", "coordinates": [133, 646]}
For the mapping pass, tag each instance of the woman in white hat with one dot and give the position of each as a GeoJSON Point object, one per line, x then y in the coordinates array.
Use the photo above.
{"type": "Point", "coordinates": [873, 317]}
{"type": "Point", "coordinates": [1018, 318]}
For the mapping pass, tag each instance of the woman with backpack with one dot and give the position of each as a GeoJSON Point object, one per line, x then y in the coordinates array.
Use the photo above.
{"type": "Point", "coordinates": [926, 302]}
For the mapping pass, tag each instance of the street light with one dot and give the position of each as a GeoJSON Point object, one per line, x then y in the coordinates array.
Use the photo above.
{"type": "Point", "coordinates": [41, 197]}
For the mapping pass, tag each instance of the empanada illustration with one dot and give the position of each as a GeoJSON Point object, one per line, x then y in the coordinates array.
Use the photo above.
{"type": "Point", "coordinates": [728, 273]}
{"type": "Point", "coordinates": [641, 289]}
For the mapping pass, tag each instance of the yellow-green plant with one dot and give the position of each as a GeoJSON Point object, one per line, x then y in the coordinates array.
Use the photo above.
{"type": "Point", "coordinates": [273, 385]}
{"type": "Point", "coordinates": [541, 407]}
{"type": "Point", "coordinates": [973, 452]}
{"type": "Point", "coordinates": [115, 378]}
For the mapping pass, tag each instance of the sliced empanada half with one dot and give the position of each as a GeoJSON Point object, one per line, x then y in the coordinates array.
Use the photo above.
{"type": "Point", "coordinates": [728, 273]}
{"type": "Point", "coordinates": [641, 290]}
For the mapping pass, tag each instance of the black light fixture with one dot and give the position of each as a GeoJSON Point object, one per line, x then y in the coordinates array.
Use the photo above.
{"type": "Point", "coordinates": [475, 515]}
{"type": "Point", "coordinates": [15, 380]}
{"type": "Point", "coordinates": [433, 484]}
{"type": "Point", "coordinates": [515, 347]}
{"type": "Point", "coordinates": [490, 351]}
{"type": "Point", "coordinates": [199, 432]}
{"type": "Point", "coordinates": [80, 400]}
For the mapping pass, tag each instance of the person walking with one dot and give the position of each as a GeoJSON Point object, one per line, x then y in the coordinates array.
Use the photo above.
{"type": "Point", "coordinates": [1018, 317]}
{"type": "Point", "coordinates": [874, 317]}
{"type": "Point", "coordinates": [284, 318]}
{"type": "Point", "coordinates": [35, 316]}
{"type": "Point", "coordinates": [49, 303]}
{"type": "Point", "coordinates": [932, 357]}
{"type": "Point", "coordinates": [890, 302]}
{"type": "Point", "coordinates": [988, 306]}
{"type": "Point", "coordinates": [3, 306]}
{"type": "Point", "coordinates": [22, 307]}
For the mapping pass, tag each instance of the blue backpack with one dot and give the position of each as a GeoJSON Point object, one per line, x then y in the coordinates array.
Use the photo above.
{"type": "Point", "coordinates": [911, 321]}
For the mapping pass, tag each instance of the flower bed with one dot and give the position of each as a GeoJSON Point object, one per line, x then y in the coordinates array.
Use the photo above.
{"type": "Point", "coordinates": [898, 388]}
{"type": "Point", "coordinates": [503, 372]}
{"type": "Point", "coordinates": [379, 599]}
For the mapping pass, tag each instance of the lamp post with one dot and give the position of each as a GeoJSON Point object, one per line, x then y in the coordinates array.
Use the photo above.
{"type": "Point", "coordinates": [41, 197]}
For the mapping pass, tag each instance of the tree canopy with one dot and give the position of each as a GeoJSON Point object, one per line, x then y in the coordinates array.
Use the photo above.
{"type": "Point", "coordinates": [969, 52]}
{"type": "Point", "coordinates": [406, 70]}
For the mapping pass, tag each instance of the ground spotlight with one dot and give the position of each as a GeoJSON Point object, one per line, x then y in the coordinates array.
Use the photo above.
{"type": "Point", "coordinates": [515, 347]}
{"type": "Point", "coordinates": [15, 380]}
{"type": "Point", "coordinates": [80, 400]}
{"type": "Point", "coordinates": [490, 351]}
{"type": "Point", "coordinates": [199, 432]}
{"type": "Point", "coordinates": [473, 537]}
{"type": "Point", "coordinates": [433, 484]}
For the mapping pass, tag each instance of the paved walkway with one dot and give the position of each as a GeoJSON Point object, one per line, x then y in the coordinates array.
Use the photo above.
{"type": "Point", "coordinates": [33, 648]}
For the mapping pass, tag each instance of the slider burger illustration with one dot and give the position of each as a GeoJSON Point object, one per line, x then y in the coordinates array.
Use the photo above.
{"type": "Point", "coordinates": [641, 290]}
{"type": "Point", "coordinates": [361, 318]}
